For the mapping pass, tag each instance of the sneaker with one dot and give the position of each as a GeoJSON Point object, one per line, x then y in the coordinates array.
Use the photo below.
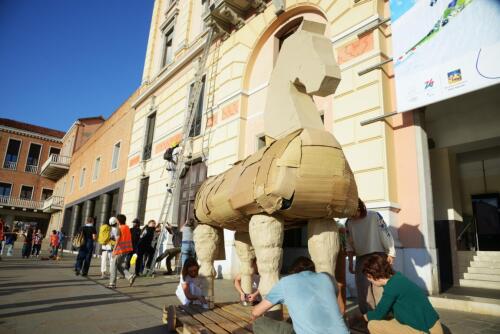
{"type": "Point", "coordinates": [84, 274]}
{"type": "Point", "coordinates": [103, 276]}
{"type": "Point", "coordinates": [111, 286]}
{"type": "Point", "coordinates": [131, 280]}
{"type": "Point", "coordinates": [168, 273]}
{"type": "Point", "coordinates": [77, 273]}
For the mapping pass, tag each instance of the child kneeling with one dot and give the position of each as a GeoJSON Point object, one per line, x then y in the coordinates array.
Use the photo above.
{"type": "Point", "coordinates": [189, 288]}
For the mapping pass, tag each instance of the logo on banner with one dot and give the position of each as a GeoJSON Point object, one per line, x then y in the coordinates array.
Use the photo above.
{"type": "Point", "coordinates": [429, 84]}
{"type": "Point", "coordinates": [454, 76]}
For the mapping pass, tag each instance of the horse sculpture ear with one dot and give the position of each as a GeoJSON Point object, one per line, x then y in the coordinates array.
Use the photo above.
{"type": "Point", "coordinates": [314, 27]}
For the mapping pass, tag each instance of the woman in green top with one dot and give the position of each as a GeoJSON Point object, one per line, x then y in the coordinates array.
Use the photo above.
{"type": "Point", "coordinates": [413, 313]}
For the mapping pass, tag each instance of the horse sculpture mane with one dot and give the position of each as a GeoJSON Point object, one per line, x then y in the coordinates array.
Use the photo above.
{"type": "Point", "coordinates": [301, 177]}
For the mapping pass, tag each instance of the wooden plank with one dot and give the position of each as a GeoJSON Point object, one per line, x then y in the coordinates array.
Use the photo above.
{"type": "Point", "coordinates": [197, 313]}
{"type": "Point", "coordinates": [190, 324]}
{"type": "Point", "coordinates": [225, 323]}
{"type": "Point", "coordinates": [235, 319]}
{"type": "Point", "coordinates": [246, 316]}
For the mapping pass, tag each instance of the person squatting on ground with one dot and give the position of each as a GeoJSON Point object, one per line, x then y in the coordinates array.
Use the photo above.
{"type": "Point", "coordinates": [187, 246]}
{"type": "Point", "coordinates": [85, 251]}
{"type": "Point", "coordinates": [106, 243]}
{"type": "Point", "coordinates": [367, 234]}
{"type": "Point", "coordinates": [37, 243]}
{"type": "Point", "coordinates": [311, 301]}
{"type": "Point", "coordinates": [172, 252]}
{"type": "Point", "coordinates": [189, 288]}
{"type": "Point", "coordinates": [412, 311]}
{"type": "Point", "coordinates": [28, 243]}
{"type": "Point", "coordinates": [122, 248]}
{"type": "Point", "coordinates": [144, 247]}
{"type": "Point", "coordinates": [135, 231]}
{"type": "Point", "coordinates": [254, 296]}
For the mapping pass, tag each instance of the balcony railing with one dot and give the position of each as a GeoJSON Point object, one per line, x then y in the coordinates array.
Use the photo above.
{"type": "Point", "coordinates": [8, 201]}
{"type": "Point", "coordinates": [32, 169]}
{"type": "Point", "coordinates": [53, 203]}
{"type": "Point", "coordinates": [10, 165]}
{"type": "Point", "coordinates": [229, 15]}
{"type": "Point", "coordinates": [55, 166]}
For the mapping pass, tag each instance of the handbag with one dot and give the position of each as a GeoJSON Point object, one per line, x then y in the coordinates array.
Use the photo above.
{"type": "Point", "coordinates": [79, 240]}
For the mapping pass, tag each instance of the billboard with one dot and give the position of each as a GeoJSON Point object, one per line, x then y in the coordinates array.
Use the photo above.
{"type": "Point", "coordinates": [443, 48]}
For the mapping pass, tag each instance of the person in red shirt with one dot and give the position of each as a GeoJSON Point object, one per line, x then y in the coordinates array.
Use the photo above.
{"type": "Point", "coordinates": [54, 244]}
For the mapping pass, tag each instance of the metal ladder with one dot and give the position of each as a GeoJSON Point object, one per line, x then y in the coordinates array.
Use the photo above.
{"type": "Point", "coordinates": [194, 99]}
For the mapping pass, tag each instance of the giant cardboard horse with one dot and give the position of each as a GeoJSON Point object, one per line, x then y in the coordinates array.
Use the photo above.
{"type": "Point", "coordinates": [300, 177]}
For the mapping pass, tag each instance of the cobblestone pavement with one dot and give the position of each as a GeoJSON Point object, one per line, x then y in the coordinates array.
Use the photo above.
{"type": "Point", "coordinates": [46, 297]}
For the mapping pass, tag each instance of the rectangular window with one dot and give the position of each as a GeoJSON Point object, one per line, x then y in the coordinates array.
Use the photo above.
{"type": "Point", "coordinates": [196, 125]}
{"type": "Point", "coordinates": [26, 192]}
{"type": "Point", "coordinates": [97, 169]}
{"type": "Point", "coordinates": [72, 184]}
{"type": "Point", "coordinates": [46, 193]}
{"type": "Point", "coordinates": [82, 177]}
{"type": "Point", "coordinates": [150, 133]}
{"type": "Point", "coordinates": [168, 50]}
{"type": "Point", "coordinates": [54, 150]}
{"type": "Point", "coordinates": [12, 154]}
{"type": "Point", "coordinates": [5, 190]}
{"type": "Point", "coordinates": [116, 156]}
{"type": "Point", "coordinates": [143, 196]}
{"type": "Point", "coordinates": [33, 158]}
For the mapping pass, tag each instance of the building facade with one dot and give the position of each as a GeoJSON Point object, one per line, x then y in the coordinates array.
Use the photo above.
{"type": "Point", "coordinates": [93, 183]}
{"type": "Point", "coordinates": [397, 170]}
{"type": "Point", "coordinates": [23, 149]}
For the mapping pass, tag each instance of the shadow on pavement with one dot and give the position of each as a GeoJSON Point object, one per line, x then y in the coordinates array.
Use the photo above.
{"type": "Point", "coordinates": [7, 292]}
{"type": "Point", "coordinates": [38, 283]}
{"type": "Point", "coordinates": [59, 300]}
{"type": "Point", "coordinates": [151, 330]}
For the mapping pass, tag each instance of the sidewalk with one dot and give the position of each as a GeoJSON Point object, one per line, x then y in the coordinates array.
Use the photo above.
{"type": "Point", "coordinates": [46, 297]}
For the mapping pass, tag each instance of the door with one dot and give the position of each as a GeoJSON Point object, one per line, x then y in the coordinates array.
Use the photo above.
{"type": "Point", "coordinates": [486, 208]}
{"type": "Point", "coordinates": [190, 184]}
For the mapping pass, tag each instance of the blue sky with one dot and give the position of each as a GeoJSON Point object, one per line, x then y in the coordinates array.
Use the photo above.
{"type": "Point", "coordinates": [65, 59]}
{"type": "Point", "coordinates": [399, 7]}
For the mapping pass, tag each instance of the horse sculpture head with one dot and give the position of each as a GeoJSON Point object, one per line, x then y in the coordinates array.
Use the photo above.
{"type": "Point", "coordinates": [305, 67]}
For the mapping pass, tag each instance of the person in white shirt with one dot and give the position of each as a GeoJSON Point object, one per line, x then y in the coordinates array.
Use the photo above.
{"type": "Point", "coordinates": [367, 234]}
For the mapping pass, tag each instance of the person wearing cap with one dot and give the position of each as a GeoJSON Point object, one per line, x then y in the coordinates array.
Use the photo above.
{"type": "Point", "coordinates": [122, 248]}
{"type": "Point", "coordinates": [106, 243]}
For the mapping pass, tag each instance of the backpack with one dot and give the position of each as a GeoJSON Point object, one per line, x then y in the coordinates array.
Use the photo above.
{"type": "Point", "coordinates": [79, 240]}
{"type": "Point", "coordinates": [104, 235]}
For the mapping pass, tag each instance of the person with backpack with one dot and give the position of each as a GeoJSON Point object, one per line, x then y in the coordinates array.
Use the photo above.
{"type": "Point", "coordinates": [85, 238]}
{"type": "Point", "coordinates": [106, 243]}
{"type": "Point", "coordinates": [122, 248]}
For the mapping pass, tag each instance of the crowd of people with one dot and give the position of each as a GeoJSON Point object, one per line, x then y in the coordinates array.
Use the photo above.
{"type": "Point", "coordinates": [388, 301]}
{"type": "Point", "coordinates": [32, 239]}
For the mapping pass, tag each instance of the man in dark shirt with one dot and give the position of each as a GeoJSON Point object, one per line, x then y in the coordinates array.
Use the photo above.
{"type": "Point", "coordinates": [144, 246]}
{"type": "Point", "coordinates": [172, 252]}
{"type": "Point", "coordinates": [135, 231]}
{"type": "Point", "coordinates": [84, 257]}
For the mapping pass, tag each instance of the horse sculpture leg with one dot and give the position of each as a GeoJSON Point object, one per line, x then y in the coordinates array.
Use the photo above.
{"type": "Point", "coordinates": [246, 253]}
{"type": "Point", "coordinates": [206, 240]}
{"type": "Point", "coordinates": [266, 233]}
{"type": "Point", "coordinates": [323, 244]}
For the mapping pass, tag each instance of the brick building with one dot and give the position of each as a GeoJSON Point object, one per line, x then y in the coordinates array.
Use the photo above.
{"type": "Point", "coordinates": [23, 149]}
{"type": "Point", "coordinates": [92, 184]}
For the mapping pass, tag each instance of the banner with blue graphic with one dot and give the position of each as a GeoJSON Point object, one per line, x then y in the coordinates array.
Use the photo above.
{"type": "Point", "coordinates": [443, 48]}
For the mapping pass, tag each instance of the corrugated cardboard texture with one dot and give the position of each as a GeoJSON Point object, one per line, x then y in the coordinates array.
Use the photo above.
{"type": "Point", "coordinates": [302, 173]}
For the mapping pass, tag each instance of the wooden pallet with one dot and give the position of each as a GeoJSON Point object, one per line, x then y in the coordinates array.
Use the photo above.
{"type": "Point", "coordinates": [223, 319]}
